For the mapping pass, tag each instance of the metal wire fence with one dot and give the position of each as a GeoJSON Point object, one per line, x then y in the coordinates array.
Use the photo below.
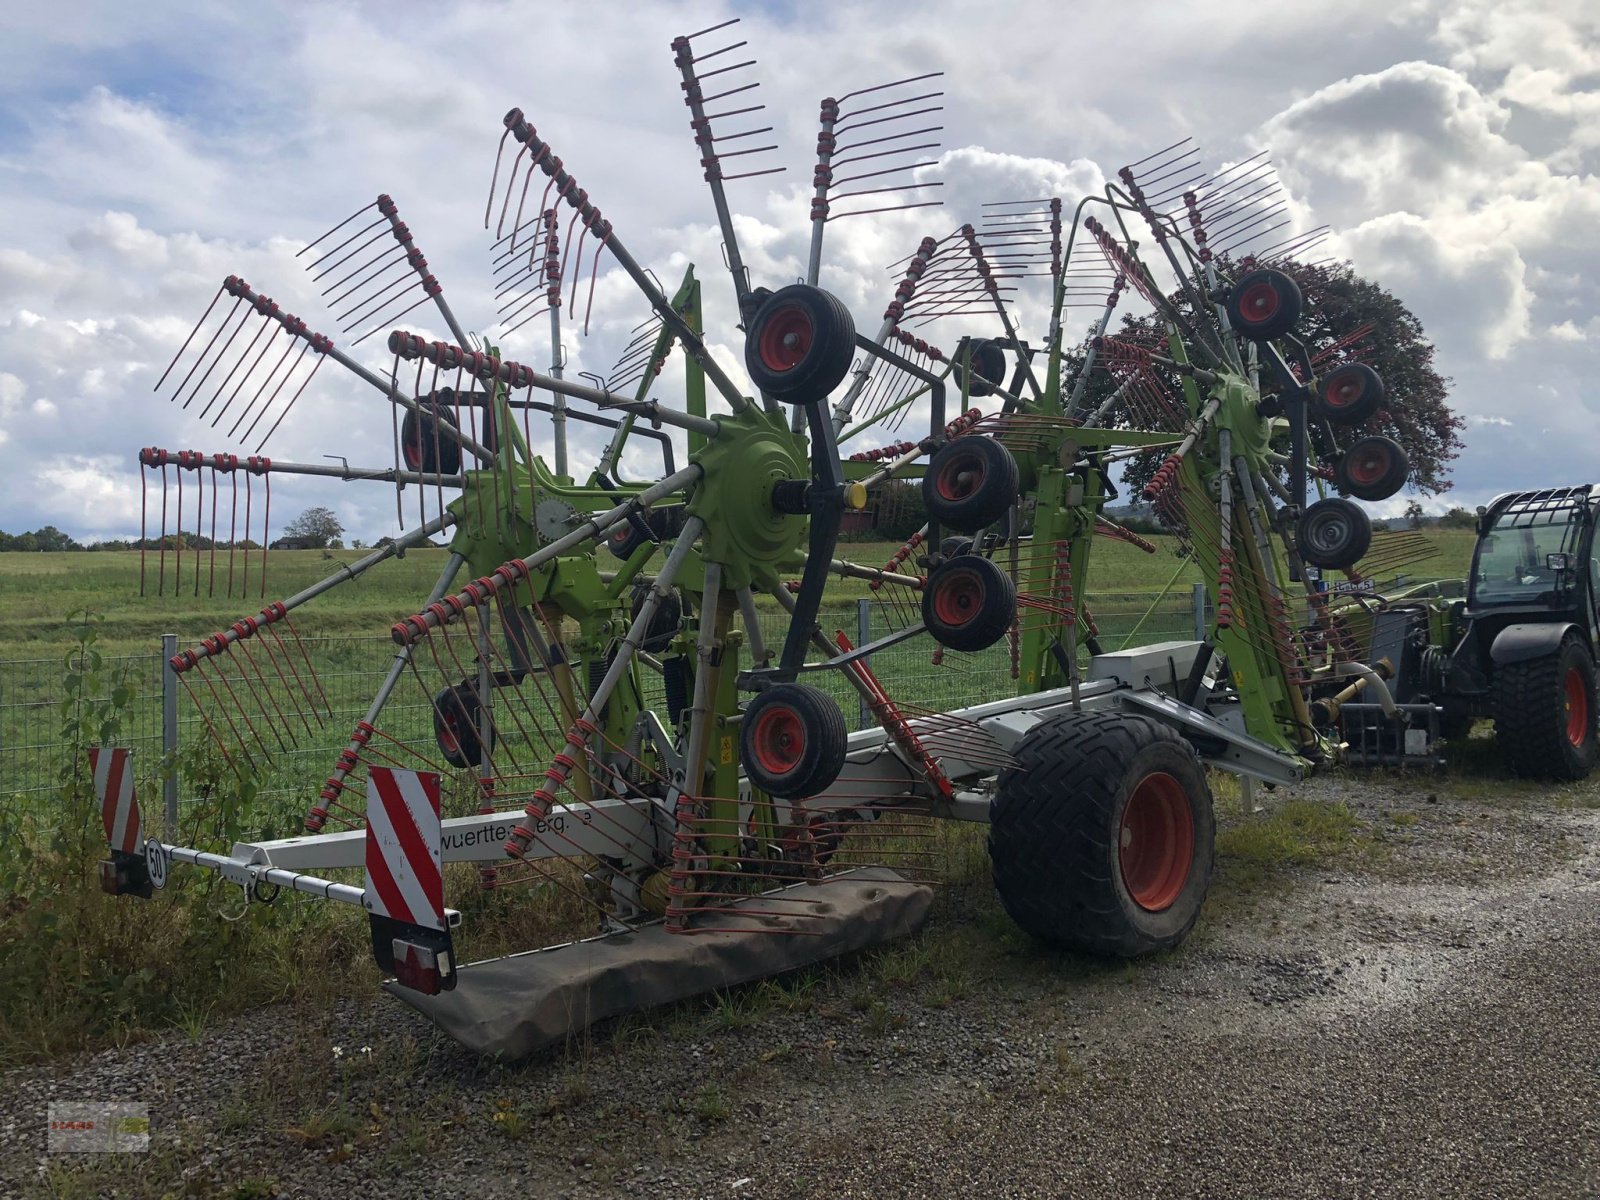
{"type": "Point", "coordinates": [160, 720]}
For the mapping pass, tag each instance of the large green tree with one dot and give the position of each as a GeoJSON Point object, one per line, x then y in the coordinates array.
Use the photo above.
{"type": "Point", "coordinates": [1338, 303]}
{"type": "Point", "coordinates": [317, 527]}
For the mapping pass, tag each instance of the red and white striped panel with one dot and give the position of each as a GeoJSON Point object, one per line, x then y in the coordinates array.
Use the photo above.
{"type": "Point", "coordinates": [404, 878]}
{"type": "Point", "coordinates": [113, 785]}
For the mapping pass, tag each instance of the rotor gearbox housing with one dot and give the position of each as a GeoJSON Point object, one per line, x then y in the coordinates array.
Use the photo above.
{"type": "Point", "coordinates": [745, 534]}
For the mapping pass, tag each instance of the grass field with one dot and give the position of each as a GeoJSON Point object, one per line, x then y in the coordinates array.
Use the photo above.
{"type": "Point", "coordinates": [345, 635]}
{"type": "Point", "coordinates": [84, 969]}
{"type": "Point", "coordinates": [38, 590]}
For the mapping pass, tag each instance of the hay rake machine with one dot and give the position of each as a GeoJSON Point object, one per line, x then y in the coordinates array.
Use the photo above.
{"type": "Point", "coordinates": [696, 833]}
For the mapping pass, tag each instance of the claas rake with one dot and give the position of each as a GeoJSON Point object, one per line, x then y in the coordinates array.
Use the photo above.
{"type": "Point", "coordinates": [614, 725]}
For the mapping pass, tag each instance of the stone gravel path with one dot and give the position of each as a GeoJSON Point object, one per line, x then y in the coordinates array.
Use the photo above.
{"type": "Point", "coordinates": [1418, 1018]}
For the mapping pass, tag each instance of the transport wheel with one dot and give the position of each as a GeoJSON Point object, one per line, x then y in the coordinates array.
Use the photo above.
{"type": "Point", "coordinates": [455, 726]}
{"type": "Point", "coordinates": [1102, 837]}
{"type": "Point", "coordinates": [1264, 305]}
{"type": "Point", "coordinates": [626, 538]}
{"type": "Point", "coordinates": [970, 483]}
{"type": "Point", "coordinates": [968, 603]}
{"type": "Point", "coordinates": [792, 741]}
{"type": "Point", "coordinates": [988, 369]}
{"type": "Point", "coordinates": [1333, 533]}
{"type": "Point", "coordinates": [800, 344]}
{"type": "Point", "coordinates": [1374, 468]}
{"type": "Point", "coordinates": [1544, 713]}
{"type": "Point", "coordinates": [1348, 395]}
{"type": "Point", "coordinates": [425, 441]}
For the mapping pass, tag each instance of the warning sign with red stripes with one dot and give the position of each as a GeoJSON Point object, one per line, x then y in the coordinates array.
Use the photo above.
{"type": "Point", "coordinates": [113, 786]}
{"type": "Point", "coordinates": [404, 877]}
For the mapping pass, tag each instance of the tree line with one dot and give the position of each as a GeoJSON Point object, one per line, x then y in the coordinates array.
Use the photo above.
{"type": "Point", "coordinates": [316, 528]}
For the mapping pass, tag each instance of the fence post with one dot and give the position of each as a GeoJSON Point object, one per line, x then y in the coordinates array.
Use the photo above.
{"type": "Point", "coordinates": [169, 730]}
{"type": "Point", "coordinates": [1199, 612]}
{"type": "Point", "coordinates": [863, 636]}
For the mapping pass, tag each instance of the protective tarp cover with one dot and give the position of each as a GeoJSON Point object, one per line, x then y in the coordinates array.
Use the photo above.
{"type": "Point", "coordinates": [514, 1006]}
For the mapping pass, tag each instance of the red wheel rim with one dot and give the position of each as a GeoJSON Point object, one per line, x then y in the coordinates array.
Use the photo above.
{"type": "Point", "coordinates": [1342, 389]}
{"type": "Point", "coordinates": [1259, 302]}
{"type": "Point", "coordinates": [1369, 466]}
{"type": "Point", "coordinates": [959, 477]}
{"type": "Point", "coordinates": [411, 448]}
{"type": "Point", "coordinates": [1577, 704]}
{"type": "Point", "coordinates": [958, 598]}
{"type": "Point", "coordinates": [1156, 842]}
{"type": "Point", "coordinates": [786, 338]}
{"type": "Point", "coordinates": [779, 740]}
{"type": "Point", "coordinates": [449, 742]}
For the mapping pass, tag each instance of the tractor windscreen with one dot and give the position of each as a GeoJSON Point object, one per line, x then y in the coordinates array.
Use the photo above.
{"type": "Point", "coordinates": [1525, 558]}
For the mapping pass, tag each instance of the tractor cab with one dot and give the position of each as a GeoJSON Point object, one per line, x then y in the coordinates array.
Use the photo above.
{"type": "Point", "coordinates": [1535, 560]}
{"type": "Point", "coordinates": [1525, 645]}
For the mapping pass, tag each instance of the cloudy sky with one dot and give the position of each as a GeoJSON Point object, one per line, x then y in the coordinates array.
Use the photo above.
{"type": "Point", "coordinates": [146, 151]}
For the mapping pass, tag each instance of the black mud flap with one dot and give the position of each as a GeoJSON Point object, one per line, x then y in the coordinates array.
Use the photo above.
{"type": "Point", "coordinates": [125, 874]}
{"type": "Point", "coordinates": [422, 960]}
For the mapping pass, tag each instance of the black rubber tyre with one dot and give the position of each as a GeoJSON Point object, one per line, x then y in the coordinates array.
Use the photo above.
{"type": "Point", "coordinates": [800, 344]}
{"type": "Point", "coordinates": [455, 726]}
{"type": "Point", "coordinates": [988, 369]}
{"type": "Point", "coordinates": [625, 538]}
{"type": "Point", "coordinates": [968, 603]}
{"type": "Point", "coordinates": [1374, 468]}
{"type": "Point", "coordinates": [971, 482]}
{"type": "Point", "coordinates": [792, 741]}
{"type": "Point", "coordinates": [1348, 395]}
{"type": "Point", "coordinates": [425, 441]}
{"type": "Point", "coordinates": [1102, 837]}
{"type": "Point", "coordinates": [1544, 713]}
{"type": "Point", "coordinates": [1264, 305]}
{"type": "Point", "coordinates": [1333, 533]}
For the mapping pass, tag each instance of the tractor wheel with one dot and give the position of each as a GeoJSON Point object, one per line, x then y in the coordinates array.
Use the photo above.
{"type": "Point", "coordinates": [1264, 305]}
{"type": "Point", "coordinates": [456, 711]}
{"type": "Point", "coordinates": [426, 443]}
{"type": "Point", "coordinates": [1374, 468]}
{"type": "Point", "coordinates": [1348, 395]}
{"type": "Point", "coordinates": [1544, 713]}
{"type": "Point", "coordinates": [792, 741]}
{"type": "Point", "coordinates": [800, 344]}
{"type": "Point", "coordinates": [988, 369]}
{"type": "Point", "coordinates": [1333, 533]}
{"type": "Point", "coordinates": [970, 482]}
{"type": "Point", "coordinates": [968, 603]}
{"type": "Point", "coordinates": [1101, 837]}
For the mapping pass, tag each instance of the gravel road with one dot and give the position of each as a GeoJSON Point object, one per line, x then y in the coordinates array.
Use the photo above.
{"type": "Point", "coordinates": [1418, 1015]}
